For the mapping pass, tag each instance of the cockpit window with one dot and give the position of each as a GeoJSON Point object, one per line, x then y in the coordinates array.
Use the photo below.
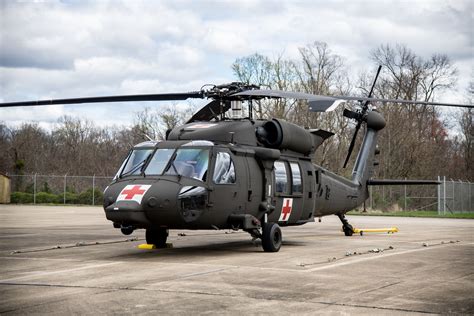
{"type": "Point", "coordinates": [190, 162]}
{"type": "Point", "coordinates": [224, 172]}
{"type": "Point", "coordinates": [136, 160]}
{"type": "Point", "coordinates": [158, 162]}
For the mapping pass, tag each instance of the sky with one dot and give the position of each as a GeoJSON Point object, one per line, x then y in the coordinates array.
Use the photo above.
{"type": "Point", "coordinates": [66, 49]}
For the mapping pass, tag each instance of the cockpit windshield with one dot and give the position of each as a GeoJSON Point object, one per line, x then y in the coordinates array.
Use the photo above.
{"type": "Point", "coordinates": [135, 161]}
{"type": "Point", "coordinates": [187, 162]}
{"type": "Point", "coordinates": [159, 161]}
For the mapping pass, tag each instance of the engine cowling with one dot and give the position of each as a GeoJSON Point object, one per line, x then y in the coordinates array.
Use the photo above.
{"type": "Point", "coordinates": [280, 134]}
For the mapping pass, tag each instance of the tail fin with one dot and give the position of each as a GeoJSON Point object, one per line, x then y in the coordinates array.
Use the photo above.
{"type": "Point", "coordinates": [363, 168]}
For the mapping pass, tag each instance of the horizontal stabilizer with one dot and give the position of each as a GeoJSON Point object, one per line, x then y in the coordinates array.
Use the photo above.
{"type": "Point", "coordinates": [321, 133]}
{"type": "Point", "coordinates": [401, 182]}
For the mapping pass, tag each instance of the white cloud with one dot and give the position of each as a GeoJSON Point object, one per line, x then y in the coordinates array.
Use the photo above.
{"type": "Point", "coordinates": [53, 49]}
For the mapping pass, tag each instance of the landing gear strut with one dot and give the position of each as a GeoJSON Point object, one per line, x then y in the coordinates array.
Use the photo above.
{"type": "Point", "coordinates": [157, 236]}
{"type": "Point", "coordinates": [346, 227]}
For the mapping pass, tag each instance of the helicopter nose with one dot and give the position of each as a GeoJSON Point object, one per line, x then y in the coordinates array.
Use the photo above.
{"type": "Point", "coordinates": [161, 197]}
{"type": "Point", "coordinates": [160, 202]}
{"type": "Point", "coordinates": [172, 204]}
{"type": "Point", "coordinates": [140, 203]}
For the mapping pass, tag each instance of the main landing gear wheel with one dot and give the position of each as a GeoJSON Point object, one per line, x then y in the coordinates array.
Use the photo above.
{"type": "Point", "coordinates": [271, 237]}
{"type": "Point", "coordinates": [346, 227]}
{"type": "Point", "coordinates": [157, 237]}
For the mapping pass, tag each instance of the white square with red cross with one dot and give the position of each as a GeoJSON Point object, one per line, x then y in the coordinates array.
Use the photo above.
{"type": "Point", "coordinates": [286, 209]}
{"type": "Point", "coordinates": [133, 192]}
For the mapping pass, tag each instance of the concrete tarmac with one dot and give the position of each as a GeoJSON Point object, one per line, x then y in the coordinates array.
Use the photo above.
{"type": "Point", "coordinates": [70, 260]}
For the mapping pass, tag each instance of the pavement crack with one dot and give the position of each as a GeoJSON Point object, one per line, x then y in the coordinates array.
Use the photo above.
{"type": "Point", "coordinates": [348, 254]}
{"type": "Point", "coordinates": [380, 287]}
{"type": "Point", "coordinates": [72, 286]}
{"type": "Point", "coordinates": [76, 245]}
{"type": "Point", "coordinates": [375, 307]}
{"type": "Point", "coordinates": [14, 310]}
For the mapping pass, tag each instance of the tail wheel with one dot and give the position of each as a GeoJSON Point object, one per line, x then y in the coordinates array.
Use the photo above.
{"type": "Point", "coordinates": [271, 237]}
{"type": "Point", "coordinates": [348, 230]}
{"type": "Point", "coordinates": [157, 237]}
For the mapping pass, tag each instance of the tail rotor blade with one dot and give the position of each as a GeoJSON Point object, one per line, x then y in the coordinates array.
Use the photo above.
{"type": "Point", "coordinates": [351, 146]}
{"type": "Point", "coordinates": [365, 107]}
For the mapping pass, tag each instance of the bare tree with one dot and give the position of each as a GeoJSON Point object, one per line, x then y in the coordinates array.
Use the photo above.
{"type": "Point", "coordinates": [467, 131]}
{"type": "Point", "coordinates": [415, 139]}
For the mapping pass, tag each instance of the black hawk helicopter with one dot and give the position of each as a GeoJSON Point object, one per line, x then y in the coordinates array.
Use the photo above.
{"type": "Point", "coordinates": [236, 173]}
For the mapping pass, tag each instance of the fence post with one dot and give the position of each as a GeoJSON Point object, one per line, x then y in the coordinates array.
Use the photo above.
{"type": "Point", "coordinates": [93, 189]}
{"type": "Point", "coordinates": [371, 198]}
{"type": "Point", "coordinates": [383, 196]}
{"type": "Point", "coordinates": [444, 195]}
{"type": "Point", "coordinates": [453, 209]}
{"type": "Point", "coordinates": [469, 195]}
{"type": "Point", "coordinates": [34, 188]}
{"type": "Point", "coordinates": [405, 196]}
{"type": "Point", "coordinates": [439, 196]}
{"type": "Point", "coordinates": [64, 193]}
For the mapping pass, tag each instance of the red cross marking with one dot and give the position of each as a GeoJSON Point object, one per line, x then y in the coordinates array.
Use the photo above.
{"type": "Point", "coordinates": [286, 210]}
{"type": "Point", "coordinates": [132, 192]}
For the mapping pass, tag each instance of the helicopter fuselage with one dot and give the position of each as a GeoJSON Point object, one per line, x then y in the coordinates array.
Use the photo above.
{"type": "Point", "coordinates": [235, 180]}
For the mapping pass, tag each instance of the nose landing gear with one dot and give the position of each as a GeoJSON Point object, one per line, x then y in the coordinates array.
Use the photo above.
{"type": "Point", "coordinates": [127, 230]}
{"type": "Point", "coordinates": [157, 236]}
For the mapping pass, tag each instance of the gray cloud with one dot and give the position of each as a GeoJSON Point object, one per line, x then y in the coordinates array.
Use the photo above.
{"type": "Point", "coordinates": [83, 48]}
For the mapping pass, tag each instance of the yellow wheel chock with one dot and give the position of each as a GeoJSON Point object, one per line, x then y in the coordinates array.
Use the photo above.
{"type": "Point", "coordinates": [361, 231]}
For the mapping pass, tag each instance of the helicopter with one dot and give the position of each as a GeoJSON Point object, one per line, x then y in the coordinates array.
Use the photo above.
{"type": "Point", "coordinates": [240, 173]}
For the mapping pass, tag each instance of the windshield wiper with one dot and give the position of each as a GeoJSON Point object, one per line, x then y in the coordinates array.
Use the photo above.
{"type": "Point", "coordinates": [137, 166]}
{"type": "Point", "coordinates": [171, 164]}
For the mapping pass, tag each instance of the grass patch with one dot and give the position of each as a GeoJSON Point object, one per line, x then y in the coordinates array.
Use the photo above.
{"type": "Point", "coordinates": [412, 214]}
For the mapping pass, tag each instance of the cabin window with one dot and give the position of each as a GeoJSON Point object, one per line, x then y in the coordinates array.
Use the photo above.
{"type": "Point", "coordinates": [224, 171]}
{"type": "Point", "coordinates": [281, 178]}
{"type": "Point", "coordinates": [296, 186]}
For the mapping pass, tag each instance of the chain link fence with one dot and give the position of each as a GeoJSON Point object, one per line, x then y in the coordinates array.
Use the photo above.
{"type": "Point", "coordinates": [58, 189]}
{"type": "Point", "coordinates": [448, 197]}
{"type": "Point", "coordinates": [455, 197]}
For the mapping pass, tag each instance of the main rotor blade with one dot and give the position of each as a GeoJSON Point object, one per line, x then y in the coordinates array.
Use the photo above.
{"type": "Point", "coordinates": [321, 103]}
{"type": "Point", "coordinates": [403, 101]}
{"type": "Point", "coordinates": [282, 94]}
{"type": "Point", "coordinates": [317, 103]}
{"type": "Point", "coordinates": [115, 98]}
{"type": "Point", "coordinates": [210, 111]}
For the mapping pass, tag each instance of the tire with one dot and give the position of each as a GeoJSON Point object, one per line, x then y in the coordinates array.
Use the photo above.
{"type": "Point", "coordinates": [157, 237]}
{"type": "Point", "coordinates": [348, 230]}
{"type": "Point", "coordinates": [127, 230]}
{"type": "Point", "coordinates": [271, 237]}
